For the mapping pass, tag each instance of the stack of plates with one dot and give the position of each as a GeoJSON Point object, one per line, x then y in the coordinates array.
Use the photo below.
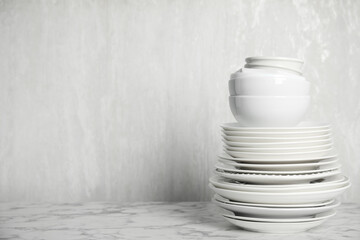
{"type": "Point", "coordinates": [278, 180]}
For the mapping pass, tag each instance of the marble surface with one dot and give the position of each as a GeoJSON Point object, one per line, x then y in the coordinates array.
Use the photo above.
{"type": "Point", "coordinates": [183, 220]}
{"type": "Point", "coordinates": [122, 100]}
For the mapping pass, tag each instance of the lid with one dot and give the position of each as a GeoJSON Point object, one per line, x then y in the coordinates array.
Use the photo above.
{"type": "Point", "coordinates": [250, 59]}
{"type": "Point", "coordinates": [278, 73]}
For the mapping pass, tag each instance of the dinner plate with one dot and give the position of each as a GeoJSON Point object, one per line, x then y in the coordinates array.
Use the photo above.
{"type": "Point", "coordinates": [233, 169]}
{"type": "Point", "coordinates": [279, 150]}
{"type": "Point", "coordinates": [280, 167]}
{"type": "Point", "coordinates": [326, 184]}
{"type": "Point", "coordinates": [275, 178]}
{"type": "Point", "coordinates": [278, 144]}
{"type": "Point", "coordinates": [277, 160]}
{"type": "Point", "coordinates": [280, 155]}
{"type": "Point", "coordinates": [268, 212]}
{"type": "Point", "coordinates": [278, 134]}
{"type": "Point", "coordinates": [302, 205]}
{"type": "Point", "coordinates": [303, 126]}
{"type": "Point", "coordinates": [318, 216]}
{"type": "Point", "coordinates": [275, 139]}
{"type": "Point", "coordinates": [280, 197]}
{"type": "Point", "coordinates": [271, 227]}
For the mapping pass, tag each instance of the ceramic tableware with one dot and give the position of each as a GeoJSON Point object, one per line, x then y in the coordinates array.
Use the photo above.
{"type": "Point", "coordinates": [275, 178]}
{"type": "Point", "coordinates": [267, 111]}
{"type": "Point", "coordinates": [280, 197]}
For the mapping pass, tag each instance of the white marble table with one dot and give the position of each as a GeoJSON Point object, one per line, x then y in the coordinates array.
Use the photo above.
{"type": "Point", "coordinates": [186, 220]}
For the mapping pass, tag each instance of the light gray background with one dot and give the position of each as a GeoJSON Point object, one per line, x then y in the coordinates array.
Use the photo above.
{"type": "Point", "coordinates": [121, 100]}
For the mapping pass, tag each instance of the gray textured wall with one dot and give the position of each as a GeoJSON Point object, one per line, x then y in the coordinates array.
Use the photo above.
{"type": "Point", "coordinates": [121, 100]}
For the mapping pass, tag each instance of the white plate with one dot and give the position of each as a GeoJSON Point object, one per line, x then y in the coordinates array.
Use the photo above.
{"type": "Point", "coordinates": [319, 216]}
{"type": "Point", "coordinates": [270, 227]}
{"type": "Point", "coordinates": [278, 134]}
{"type": "Point", "coordinates": [327, 184]}
{"type": "Point", "coordinates": [278, 160]}
{"type": "Point", "coordinates": [275, 139]}
{"type": "Point", "coordinates": [281, 167]}
{"type": "Point", "coordinates": [280, 197]}
{"type": "Point", "coordinates": [303, 205]}
{"type": "Point", "coordinates": [276, 179]}
{"type": "Point", "coordinates": [235, 170]}
{"type": "Point", "coordinates": [280, 155]}
{"type": "Point", "coordinates": [268, 212]}
{"type": "Point", "coordinates": [277, 144]}
{"type": "Point", "coordinates": [304, 126]}
{"type": "Point", "coordinates": [279, 150]}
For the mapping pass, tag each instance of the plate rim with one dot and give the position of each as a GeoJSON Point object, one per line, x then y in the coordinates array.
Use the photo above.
{"type": "Point", "coordinates": [301, 176]}
{"type": "Point", "coordinates": [284, 189]}
{"type": "Point", "coordinates": [306, 164]}
{"type": "Point", "coordinates": [328, 136]}
{"type": "Point", "coordinates": [244, 128]}
{"type": "Point", "coordinates": [329, 145]}
{"type": "Point", "coordinates": [335, 203]}
{"type": "Point", "coordinates": [263, 227]}
{"type": "Point", "coordinates": [278, 205]}
{"type": "Point", "coordinates": [337, 166]}
{"type": "Point", "coordinates": [283, 154]}
{"type": "Point", "coordinates": [265, 134]}
{"type": "Point", "coordinates": [343, 179]}
{"type": "Point", "coordinates": [278, 143]}
{"type": "Point", "coordinates": [334, 155]}
{"type": "Point", "coordinates": [285, 193]}
{"type": "Point", "coordinates": [331, 213]}
{"type": "Point", "coordinates": [278, 179]}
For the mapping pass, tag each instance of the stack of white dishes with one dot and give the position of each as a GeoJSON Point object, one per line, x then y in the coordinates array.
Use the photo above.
{"type": "Point", "coordinates": [277, 179]}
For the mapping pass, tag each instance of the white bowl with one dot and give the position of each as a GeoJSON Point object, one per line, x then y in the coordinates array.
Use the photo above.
{"type": "Point", "coordinates": [287, 63]}
{"type": "Point", "coordinates": [265, 71]}
{"type": "Point", "coordinates": [273, 67]}
{"type": "Point", "coordinates": [269, 111]}
{"type": "Point", "coordinates": [272, 85]}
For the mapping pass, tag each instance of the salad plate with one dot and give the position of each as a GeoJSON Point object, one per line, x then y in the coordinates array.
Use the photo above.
{"type": "Point", "coordinates": [280, 155]}
{"type": "Point", "coordinates": [276, 228]}
{"type": "Point", "coordinates": [278, 144]}
{"type": "Point", "coordinates": [233, 169]}
{"type": "Point", "coordinates": [318, 216]}
{"type": "Point", "coordinates": [280, 167]}
{"type": "Point", "coordinates": [260, 139]}
{"type": "Point", "coordinates": [277, 160]}
{"type": "Point", "coordinates": [278, 134]}
{"type": "Point", "coordinates": [280, 197]}
{"type": "Point", "coordinates": [275, 178]}
{"type": "Point", "coordinates": [279, 150]}
{"type": "Point", "coordinates": [304, 126]}
{"type": "Point", "coordinates": [267, 205]}
{"type": "Point", "coordinates": [268, 212]}
{"type": "Point", "coordinates": [326, 184]}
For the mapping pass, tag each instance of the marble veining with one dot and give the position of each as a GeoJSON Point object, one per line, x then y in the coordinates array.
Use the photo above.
{"type": "Point", "coordinates": [158, 220]}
